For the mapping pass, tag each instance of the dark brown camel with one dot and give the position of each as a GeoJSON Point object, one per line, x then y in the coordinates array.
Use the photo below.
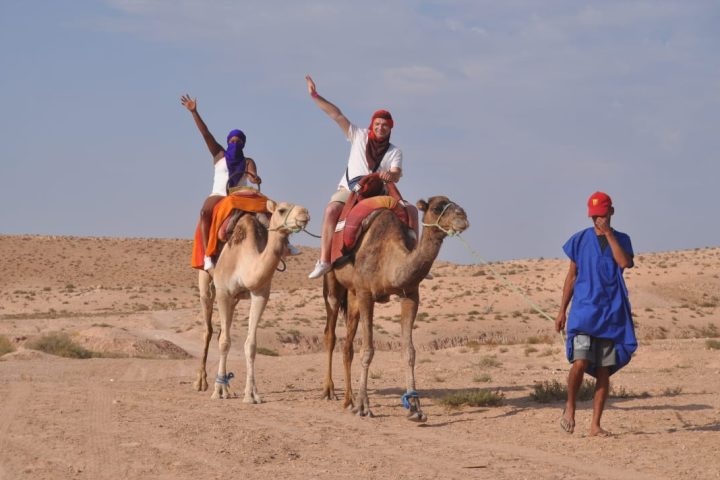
{"type": "Point", "coordinates": [386, 262]}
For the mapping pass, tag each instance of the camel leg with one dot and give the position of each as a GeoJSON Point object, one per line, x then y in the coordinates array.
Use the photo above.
{"type": "Point", "coordinates": [408, 312]}
{"type": "Point", "coordinates": [352, 315]}
{"type": "Point", "coordinates": [207, 297]}
{"type": "Point", "coordinates": [226, 307]}
{"type": "Point", "coordinates": [332, 293]}
{"type": "Point", "coordinates": [365, 306]}
{"type": "Point", "coordinates": [258, 301]}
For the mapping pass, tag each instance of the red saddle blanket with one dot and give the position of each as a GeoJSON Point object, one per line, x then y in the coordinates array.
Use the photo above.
{"type": "Point", "coordinates": [248, 200]}
{"type": "Point", "coordinates": [350, 224]}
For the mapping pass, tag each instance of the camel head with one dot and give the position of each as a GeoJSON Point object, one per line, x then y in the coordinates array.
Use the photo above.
{"type": "Point", "coordinates": [440, 212]}
{"type": "Point", "coordinates": [287, 218]}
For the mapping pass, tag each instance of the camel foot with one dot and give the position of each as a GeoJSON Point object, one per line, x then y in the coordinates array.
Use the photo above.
{"type": "Point", "coordinates": [363, 412]}
{"type": "Point", "coordinates": [411, 401]}
{"type": "Point", "coordinates": [221, 392]}
{"type": "Point", "coordinates": [329, 393]}
{"type": "Point", "coordinates": [201, 385]}
{"type": "Point", "coordinates": [418, 417]}
{"type": "Point", "coordinates": [348, 402]}
{"type": "Point", "coordinates": [252, 397]}
{"type": "Point", "coordinates": [363, 406]}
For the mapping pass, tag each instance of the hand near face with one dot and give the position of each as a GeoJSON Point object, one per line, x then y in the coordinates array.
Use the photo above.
{"type": "Point", "coordinates": [602, 224]}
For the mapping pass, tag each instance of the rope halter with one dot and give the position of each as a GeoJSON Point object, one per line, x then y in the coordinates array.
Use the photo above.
{"type": "Point", "coordinates": [294, 229]}
{"type": "Point", "coordinates": [449, 232]}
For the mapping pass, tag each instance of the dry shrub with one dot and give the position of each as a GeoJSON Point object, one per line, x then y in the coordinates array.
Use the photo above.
{"type": "Point", "coordinates": [5, 346]}
{"type": "Point", "coordinates": [474, 398]}
{"type": "Point", "coordinates": [60, 344]}
{"type": "Point", "coordinates": [553, 391]}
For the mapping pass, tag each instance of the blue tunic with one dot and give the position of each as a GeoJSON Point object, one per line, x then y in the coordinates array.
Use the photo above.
{"type": "Point", "coordinates": [600, 306]}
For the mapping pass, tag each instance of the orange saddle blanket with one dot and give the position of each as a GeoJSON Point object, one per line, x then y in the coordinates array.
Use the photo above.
{"type": "Point", "coordinates": [247, 200]}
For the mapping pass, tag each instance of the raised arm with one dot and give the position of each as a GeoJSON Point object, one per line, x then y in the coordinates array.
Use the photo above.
{"type": "Point", "coordinates": [212, 144]}
{"type": "Point", "coordinates": [331, 110]}
{"type": "Point", "coordinates": [568, 289]}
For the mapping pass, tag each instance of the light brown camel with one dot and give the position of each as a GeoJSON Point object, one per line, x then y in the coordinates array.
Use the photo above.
{"type": "Point", "coordinates": [245, 269]}
{"type": "Point", "coordinates": [388, 261]}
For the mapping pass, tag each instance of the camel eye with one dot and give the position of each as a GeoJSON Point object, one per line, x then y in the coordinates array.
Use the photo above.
{"type": "Point", "coordinates": [439, 208]}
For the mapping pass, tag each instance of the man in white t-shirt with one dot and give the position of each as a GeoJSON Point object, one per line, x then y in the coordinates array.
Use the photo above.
{"type": "Point", "coordinates": [370, 151]}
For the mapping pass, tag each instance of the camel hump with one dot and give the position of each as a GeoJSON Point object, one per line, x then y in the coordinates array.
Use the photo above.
{"type": "Point", "coordinates": [359, 219]}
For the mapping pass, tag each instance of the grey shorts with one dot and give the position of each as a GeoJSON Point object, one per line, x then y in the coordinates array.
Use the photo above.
{"type": "Point", "coordinates": [599, 351]}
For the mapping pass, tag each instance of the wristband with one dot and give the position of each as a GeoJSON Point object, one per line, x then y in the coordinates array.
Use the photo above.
{"type": "Point", "coordinates": [314, 94]}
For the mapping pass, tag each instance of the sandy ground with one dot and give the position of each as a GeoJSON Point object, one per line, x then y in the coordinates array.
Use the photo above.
{"type": "Point", "coordinates": [134, 414]}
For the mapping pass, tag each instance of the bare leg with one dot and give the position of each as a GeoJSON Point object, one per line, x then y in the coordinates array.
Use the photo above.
{"type": "Point", "coordinates": [575, 378]}
{"type": "Point", "coordinates": [206, 214]}
{"type": "Point", "coordinates": [207, 297]}
{"type": "Point", "coordinates": [330, 218]}
{"type": "Point", "coordinates": [226, 307]}
{"type": "Point", "coordinates": [602, 389]}
{"type": "Point", "coordinates": [408, 312]}
{"type": "Point", "coordinates": [258, 301]}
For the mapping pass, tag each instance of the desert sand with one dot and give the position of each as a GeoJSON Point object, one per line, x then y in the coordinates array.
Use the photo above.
{"type": "Point", "coordinates": [130, 412]}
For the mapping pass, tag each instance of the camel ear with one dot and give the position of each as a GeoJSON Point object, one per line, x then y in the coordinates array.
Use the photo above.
{"type": "Point", "coordinates": [422, 205]}
{"type": "Point", "coordinates": [271, 206]}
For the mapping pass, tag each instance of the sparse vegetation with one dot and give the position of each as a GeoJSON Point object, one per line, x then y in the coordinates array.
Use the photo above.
{"type": "Point", "coordinates": [5, 346]}
{"type": "Point", "coordinates": [267, 351]}
{"type": "Point", "coordinates": [60, 344]}
{"type": "Point", "coordinates": [482, 378]}
{"type": "Point", "coordinates": [712, 344]}
{"type": "Point", "coordinates": [554, 391]}
{"type": "Point", "coordinates": [474, 398]}
{"type": "Point", "coordinates": [489, 361]}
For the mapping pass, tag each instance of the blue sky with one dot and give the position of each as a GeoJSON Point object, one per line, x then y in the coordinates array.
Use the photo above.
{"type": "Point", "coordinates": [518, 110]}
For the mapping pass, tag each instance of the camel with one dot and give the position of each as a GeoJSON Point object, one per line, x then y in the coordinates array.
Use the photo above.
{"type": "Point", "coordinates": [387, 261]}
{"type": "Point", "coordinates": [245, 269]}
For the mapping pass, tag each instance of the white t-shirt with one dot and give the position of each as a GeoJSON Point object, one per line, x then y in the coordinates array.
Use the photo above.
{"type": "Point", "coordinates": [222, 175]}
{"type": "Point", "coordinates": [357, 162]}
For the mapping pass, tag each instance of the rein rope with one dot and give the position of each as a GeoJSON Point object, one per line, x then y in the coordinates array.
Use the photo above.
{"type": "Point", "coordinates": [224, 379]}
{"type": "Point", "coordinates": [509, 284]}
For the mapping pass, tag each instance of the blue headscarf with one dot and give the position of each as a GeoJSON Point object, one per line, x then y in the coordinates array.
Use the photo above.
{"type": "Point", "coordinates": [235, 158]}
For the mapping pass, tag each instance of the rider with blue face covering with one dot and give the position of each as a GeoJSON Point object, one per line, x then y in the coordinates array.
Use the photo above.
{"type": "Point", "coordinates": [232, 169]}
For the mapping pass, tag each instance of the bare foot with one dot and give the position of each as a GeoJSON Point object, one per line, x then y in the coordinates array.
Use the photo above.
{"type": "Point", "coordinates": [567, 423]}
{"type": "Point", "coordinates": [599, 432]}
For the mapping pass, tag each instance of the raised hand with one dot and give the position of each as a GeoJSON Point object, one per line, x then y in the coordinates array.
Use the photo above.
{"type": "Point", "coordinates": [189, 103]}
{"type": "Point", "coordinates": [310, 85]}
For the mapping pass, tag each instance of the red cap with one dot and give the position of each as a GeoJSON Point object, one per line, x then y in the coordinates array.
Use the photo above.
{"type": "Point", "coordinates": [599, 204]}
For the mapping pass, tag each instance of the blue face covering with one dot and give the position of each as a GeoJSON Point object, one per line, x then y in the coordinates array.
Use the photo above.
{"type": "Point", "coordinates": [235, 158]}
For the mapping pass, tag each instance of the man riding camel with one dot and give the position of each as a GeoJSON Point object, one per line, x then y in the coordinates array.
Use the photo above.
{"type": "Point", "coordinates": [370, 152]}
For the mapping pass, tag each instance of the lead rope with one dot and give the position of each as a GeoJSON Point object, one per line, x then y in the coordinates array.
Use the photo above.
{"type": "Point", "coordinates": [508, 283]}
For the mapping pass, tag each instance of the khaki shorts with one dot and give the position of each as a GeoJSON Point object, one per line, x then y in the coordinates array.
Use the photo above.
{"type": "Point", "coordinates": [599, 351]}
{"type": "Point", "coordinates": [341, 195]}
